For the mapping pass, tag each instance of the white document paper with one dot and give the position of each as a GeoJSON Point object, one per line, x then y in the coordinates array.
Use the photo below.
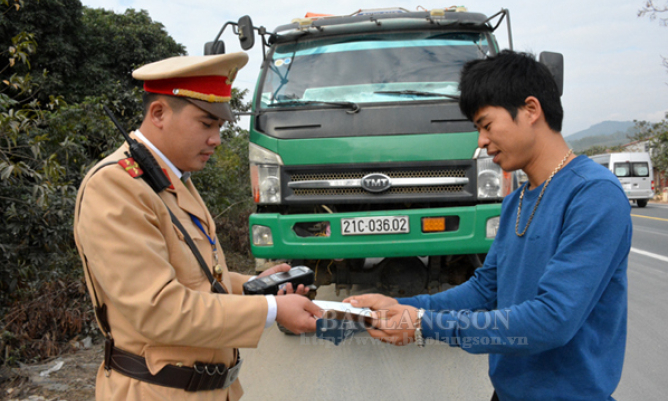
{"type": "Point", "coordinates": [342, 307]}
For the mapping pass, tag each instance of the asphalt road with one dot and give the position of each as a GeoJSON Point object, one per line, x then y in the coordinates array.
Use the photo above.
{"type": "Point", "coordinates": [303, 368]}
{"type": "Point", "coordinates": [644, 375]}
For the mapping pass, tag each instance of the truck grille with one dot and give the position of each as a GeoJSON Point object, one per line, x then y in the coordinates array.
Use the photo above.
{"type": "Point", "coordinates": [389, 173]}
{"type": "Point", "coordinates": [461, 170]}
{"type": "Point", "coordinates": [391, 191]}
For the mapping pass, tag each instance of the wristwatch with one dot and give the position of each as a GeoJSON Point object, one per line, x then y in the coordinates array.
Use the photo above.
{"type": "Point", "coordinates": [419, 340]}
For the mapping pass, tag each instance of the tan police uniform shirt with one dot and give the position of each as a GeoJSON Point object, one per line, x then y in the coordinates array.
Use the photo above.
{"type": "Point", "coordinates": [159, 301]}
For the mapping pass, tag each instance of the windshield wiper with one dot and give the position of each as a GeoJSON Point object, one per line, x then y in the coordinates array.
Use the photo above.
{"type": "Point", "coordinates": [418, 93]}
{"type": "Point", "coordinates": [354, 107]}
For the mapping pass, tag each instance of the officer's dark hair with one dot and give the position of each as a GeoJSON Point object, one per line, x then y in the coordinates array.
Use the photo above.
{"type": "Point", "coordinates": [506, 80]}
{"type": "Point", "coordinates": [176, 103]}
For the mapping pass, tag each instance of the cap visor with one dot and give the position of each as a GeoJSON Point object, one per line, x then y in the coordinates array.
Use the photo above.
{"type": "Point", "coordinates": [220, 110]}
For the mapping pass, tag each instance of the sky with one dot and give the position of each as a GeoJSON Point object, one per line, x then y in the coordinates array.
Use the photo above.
{"type": "Point", "coordinates": [612, 57]}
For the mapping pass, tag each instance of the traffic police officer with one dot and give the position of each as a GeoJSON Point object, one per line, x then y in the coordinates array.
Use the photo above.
{"type": "Point", "coordinates": [168, 335]}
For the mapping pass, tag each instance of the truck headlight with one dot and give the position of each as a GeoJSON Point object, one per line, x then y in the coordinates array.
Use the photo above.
{"type": "Point", "coordinates": [493, 182]}
{"type": "Point", "coordinates": [262, 236]}
{"type": "Point", "coordinates": [489, 183]}
{"type": "Point", "coordinates": [265, 174]}
{"type": "Point", "coordinates": [492, 227]}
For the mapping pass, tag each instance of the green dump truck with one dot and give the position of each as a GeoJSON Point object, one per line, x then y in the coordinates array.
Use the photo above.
{"type": "Point", "coordinates": [362, 165]}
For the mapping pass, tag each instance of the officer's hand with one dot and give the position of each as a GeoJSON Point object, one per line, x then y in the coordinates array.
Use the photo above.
{"type": "Point", "coordinates": [372, 301]}
{"type": "Point", "coordinates": [283, 267]}
{"type": "Point", "coordinates": [395, 325]}
{"type": "Point", "coordinates": [298, 314]}
{"type": "Point", "coordinates": [287, 289]}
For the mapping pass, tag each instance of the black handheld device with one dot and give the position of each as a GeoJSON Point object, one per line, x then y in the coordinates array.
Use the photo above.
{"type": "Point", "coordinates": [270, 285]}
{"type": "Point", "coordinates": [153, 173]}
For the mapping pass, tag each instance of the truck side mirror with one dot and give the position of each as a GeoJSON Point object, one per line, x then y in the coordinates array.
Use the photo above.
{"type": "Point", "coordinates": [555, 63]}
{"type": "Point", "coordinates": [211, 48]}
{"type": "Point", "coordinates": [246, 34]}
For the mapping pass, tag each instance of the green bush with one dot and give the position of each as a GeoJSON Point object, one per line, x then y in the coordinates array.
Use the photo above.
{"type": "Point", "coordinates": [46, 147]}
{"type": "Point", "coordinates": [224, 185]}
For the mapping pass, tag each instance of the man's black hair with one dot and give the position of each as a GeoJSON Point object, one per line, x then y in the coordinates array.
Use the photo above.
{"type": "Point", "coordinates": [175, 103]}
{"type": "Point", "coordinates": [506, 80]}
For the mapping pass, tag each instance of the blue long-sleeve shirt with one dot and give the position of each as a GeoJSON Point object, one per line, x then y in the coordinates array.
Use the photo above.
{"type": "Point", "coordinates": [549, 307]}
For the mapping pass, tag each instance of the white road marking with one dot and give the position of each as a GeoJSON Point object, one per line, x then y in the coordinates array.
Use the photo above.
{"type": "Point", "coordinates": [649, 254]}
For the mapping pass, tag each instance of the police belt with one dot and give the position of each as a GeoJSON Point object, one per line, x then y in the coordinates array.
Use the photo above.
{"type": "Point", "coordinates": [201, 377]}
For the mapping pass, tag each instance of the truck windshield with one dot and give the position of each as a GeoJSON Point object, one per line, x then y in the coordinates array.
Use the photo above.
{"type": "Point", "coordinates": [369, 69]}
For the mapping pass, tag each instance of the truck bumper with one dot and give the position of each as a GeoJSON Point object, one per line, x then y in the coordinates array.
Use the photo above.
{"type": "Point", "coordinates": [470, 237]}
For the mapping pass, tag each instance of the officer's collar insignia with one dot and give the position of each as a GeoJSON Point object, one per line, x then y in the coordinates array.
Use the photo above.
{"type": "Point", "coordinates": [171, 186]}
{"type": "Point", "coordinates": [131, 167]}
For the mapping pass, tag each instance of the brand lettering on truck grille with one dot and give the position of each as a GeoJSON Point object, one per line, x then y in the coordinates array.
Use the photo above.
{"type": "Point", "coordinates": [376, 182]}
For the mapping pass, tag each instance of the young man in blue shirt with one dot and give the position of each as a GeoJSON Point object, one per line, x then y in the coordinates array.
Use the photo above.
{"type": "Point", "coordinates": [549, 304]}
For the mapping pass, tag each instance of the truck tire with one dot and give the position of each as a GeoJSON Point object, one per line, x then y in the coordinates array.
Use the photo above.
{"type": "Point", "coordinates": [642, 202]}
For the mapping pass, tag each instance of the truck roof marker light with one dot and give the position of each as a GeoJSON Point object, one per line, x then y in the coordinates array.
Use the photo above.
{"type": "Point", "coordinates": [317, 15]}
{"type": "Point", "coordinates": [433, 224]}
{"type": "Point", "coordinates": [440, 12]}
{"type": "Point", "coordinates": [456, 9]}
{"type": "Point", "coordinates": [303, 21]}
{"type": "Point", "coordinates": [386, 10]}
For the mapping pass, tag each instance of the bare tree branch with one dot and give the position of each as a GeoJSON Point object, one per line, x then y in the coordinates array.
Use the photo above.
{"type": "Point", "coordinates": [652, 10]}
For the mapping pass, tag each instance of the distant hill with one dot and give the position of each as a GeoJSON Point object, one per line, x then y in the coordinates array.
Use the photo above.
{"type": "Point", "coordinates": [604, 128]}
{"type": "Point", "coordinates": [607, 133]}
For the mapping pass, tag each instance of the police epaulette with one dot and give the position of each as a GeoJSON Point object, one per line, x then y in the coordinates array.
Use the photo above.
{"type": "Point", "coordinates": [131, 167]}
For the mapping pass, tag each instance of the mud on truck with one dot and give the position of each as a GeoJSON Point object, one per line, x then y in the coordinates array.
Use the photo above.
{"type": "Point", "coordinates": [362, 165]}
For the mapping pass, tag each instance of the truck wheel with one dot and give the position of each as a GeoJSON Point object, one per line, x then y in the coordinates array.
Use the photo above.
{"type": "Point", "coordinates": [642, 202]}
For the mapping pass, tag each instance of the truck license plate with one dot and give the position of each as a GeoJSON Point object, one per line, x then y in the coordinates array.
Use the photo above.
{"type": "Point", "coordinates": [375, 225]}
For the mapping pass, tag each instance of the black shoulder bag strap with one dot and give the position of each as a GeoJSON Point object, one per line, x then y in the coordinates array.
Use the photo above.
{"type": "Point", "coordinates": [216, 287]}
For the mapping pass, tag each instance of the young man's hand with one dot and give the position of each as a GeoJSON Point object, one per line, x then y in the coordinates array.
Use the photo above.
{"type": "Point", "coordinates": [371, 301]}
{"type": "Point", "coordinates": [395, 325]}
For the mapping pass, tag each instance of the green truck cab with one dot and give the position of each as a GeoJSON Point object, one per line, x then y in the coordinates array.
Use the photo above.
{"type": "Point", "coordinates": [362, 165]}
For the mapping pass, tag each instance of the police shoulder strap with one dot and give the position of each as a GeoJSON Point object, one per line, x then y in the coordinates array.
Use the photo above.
{"type": "Point", "coordinates": [216, 287]}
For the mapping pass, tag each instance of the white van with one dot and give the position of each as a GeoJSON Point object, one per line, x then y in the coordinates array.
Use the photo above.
{"type": "Point", "coordinates": [634, 170]}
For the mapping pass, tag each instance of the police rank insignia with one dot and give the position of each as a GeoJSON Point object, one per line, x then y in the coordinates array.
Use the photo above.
{"type": "Point", "coordinates": [232, 76]}
{"type": "Point", "coordinates": [131, 166]}
{"type": "Point", "coordinates": [171, 186]}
